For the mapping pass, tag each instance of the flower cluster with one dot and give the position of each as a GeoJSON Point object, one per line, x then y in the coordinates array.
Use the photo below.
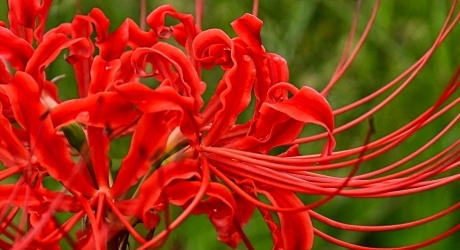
{"type": "Point", "coordinates": [183, 152]}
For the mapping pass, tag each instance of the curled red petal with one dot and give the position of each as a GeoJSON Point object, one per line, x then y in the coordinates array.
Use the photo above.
{"type": "Point", "coordinates": [138, 37]}
{"type": "Point", "coordinates": [220, 206]}
{"type": "Point", "coordinates": [101, 23]}
{"type": "Point", "coordinates": [106, 109]}
{"type": "Point", "coordinates": [5, 75]}
{"type": "Point", "coordinates": [24, 95]}
{"type": "Point", "coordinates": [12, 152]}
{"type": "Point", "coordinates": [126, 72]}
{"type": "Point", "coordinates": [296, 228]}
{"type": "Point", "coordinates": [212, 47]}
{"type": "Point", "coordinates": [99, 144]}
{"type": "Point", "coordinates": [163, 55]}
{"type": "Point", "coordinates": [25, 11]}
{"type": "Point", "coordinates": [103, 74]}
{"type": "Point", "coordinates": [81, 28]}
{"type": "Point", "coordinates": [46, 52]}
{"type": "Point", "coordinates": [281, 122]}
{"type": "Point", "coordinates": [273, 129]}
{"type": "Point", "coordinates": [188, 29]}
{"type": "Point", "coordinates": [147, 146]}
{"type": "Point", "coordinates": [162, 99]}
{"type": "Point", "coordinates": [271, 69]}
{"type": "Point", "coordinates": [115, 43]}
{"type": "Point", "coordinates": [14, 49]}
{"type": "Point", "coordinates": [179, 32]}
{"type": "Point", "coordinates": [48, 147]}
{"type": "Point", "coordinates": [18, 29]}
{"type": "Point", "coordinates": [42, 16]}
{"type": "Point", "coordinates": [156, 21]}
{"type": "Point", "coordinates": [51, 90]}
{"type": "Point", "coordinates": [142, 56]}
{"type": "Point", "coordinates": [63, 28]}
{"type": "Point", "coordinates": [111, 46]}
{"type": "Point", "coordinates": [308, 106]}
{"type": "Point", "coordinates": [81, 54]}
{"type": "Point", "coordinates": [236, 96]}
{"type": "Point", "coordinates": [278, 68]}
{"type": "Point", "coordinates": [214, 104]}
{"type": "Point", "coordinates": [151, 189]}
{"type": "Point", "coordinates": [248, 29]}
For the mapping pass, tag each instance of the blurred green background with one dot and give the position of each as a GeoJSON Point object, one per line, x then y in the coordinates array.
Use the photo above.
{"type": "Point", "coordinates": [311, 35]}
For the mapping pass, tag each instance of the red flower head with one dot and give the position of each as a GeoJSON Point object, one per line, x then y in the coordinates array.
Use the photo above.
{"type": "Point", "coordinates": [223, 154]}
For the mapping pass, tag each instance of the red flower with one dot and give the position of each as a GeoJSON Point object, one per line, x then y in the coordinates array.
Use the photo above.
{"type": "Point", "coordinates": [183, 151]}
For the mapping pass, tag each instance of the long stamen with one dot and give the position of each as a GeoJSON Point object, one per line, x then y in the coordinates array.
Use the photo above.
{"type": "Point", "coordinates": [255, 7]}
{"type": "Point", "coordinates": [199, 5]}
{"type": "Point", "coordinates": [143, 14]}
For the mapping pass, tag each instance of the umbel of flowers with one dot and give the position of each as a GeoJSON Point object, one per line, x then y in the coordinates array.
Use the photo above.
{"type": "Point", "coordinates": [183, 151]}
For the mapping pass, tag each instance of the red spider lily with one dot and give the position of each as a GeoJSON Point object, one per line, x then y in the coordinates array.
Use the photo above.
{"type": "Point", "coordinates": [184, 152]}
